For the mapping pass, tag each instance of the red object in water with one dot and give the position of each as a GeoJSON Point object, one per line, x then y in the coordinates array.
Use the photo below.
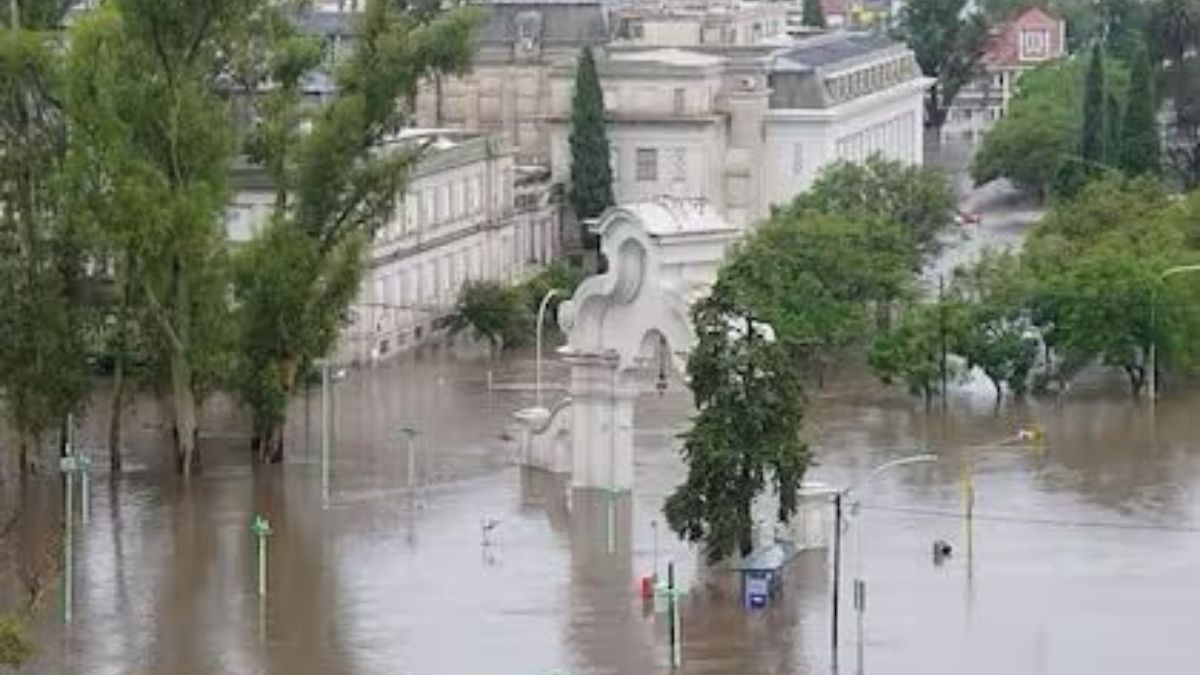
{"type": "Point", "coordinates": [967, 218]}
{"type": "Point", "coordinates": [647, 588]}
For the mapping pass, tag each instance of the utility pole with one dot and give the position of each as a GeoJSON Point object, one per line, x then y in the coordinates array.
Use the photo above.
{"type": "Point", "coordinates": [942, 334]}
{"type": "Point", "coordinates": [673, 617]}
{"type": "Point", "coordinates": [837, 571]}
{"type": "Point", "coordinates": [325, 433]}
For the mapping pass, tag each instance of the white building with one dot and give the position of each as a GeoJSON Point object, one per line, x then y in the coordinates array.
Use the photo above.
{"type": "Point", "coordinates": [746, 128]}
{"type": "Point", "coordinates": [688, 23]}
{"type": "Point", "coordinates": [469, 213]}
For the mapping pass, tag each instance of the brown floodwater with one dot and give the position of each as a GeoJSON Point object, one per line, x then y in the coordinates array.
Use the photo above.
{"type": "Point", "coordinates": [1082, 561]}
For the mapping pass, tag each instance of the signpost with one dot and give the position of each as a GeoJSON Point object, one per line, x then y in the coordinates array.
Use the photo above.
{"type": "Point", "coordinates": [73, 463]}
{"type": "Point", "coordinates": [261, 528]}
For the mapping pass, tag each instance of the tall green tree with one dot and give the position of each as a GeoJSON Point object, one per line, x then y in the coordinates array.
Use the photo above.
{"type": "Point", "coordinates": [1094, 134]}
{"type": "Point", "coordinates": [152, 141]}
{"type": "Point", "coordinates": [912, 351]}
{"type": "Point", "coordinates": [1042, 129]}
{"type": "Point", "coordinates": [1140, 148]}
{"type": "Point", "coordinates": [335, 187]}
{"type": "Point", "coordinates": [992, 328]}
{"type": "Point", "coordinates": [918, 199]}
{"type": "Point", "coordinates": [813, 14]}
{"type": "Point", "coordinates": [491, 311]}
{"type": "Point", "coordinates": [745, 439]}
{"type": "Point", "coordinates": [948, 40]}
{"type": "Point", "coordinates": [1096, 262]}
{"type": "Point", "coordinates": [44, 315]}
{"type": "Point", "coordinates": [591, 173]}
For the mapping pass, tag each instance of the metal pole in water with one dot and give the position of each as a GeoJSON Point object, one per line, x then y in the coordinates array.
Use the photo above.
{"type": "Point", "coordinates": [85, 482]}
{"type": "Point", "coordinates": [325, 433]}
{"type": "Point", "coordinates": [68, 543]}
{"type": "Point", "coordinates": [261, 528]}
{"type": "Point", "coordinates": [860, 606]}
{"type": "Point", "coordinates": [612, 532]}
{"type": "Point", "coordinates": [673, 616]}
{"type": "Point", "coordinates": [654, 528]}
{"type": "Point", "coordinates": [837, 571]}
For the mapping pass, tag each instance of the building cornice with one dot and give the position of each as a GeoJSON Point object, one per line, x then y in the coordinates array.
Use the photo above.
{"type": "Point", "coordinates": [852, 107]}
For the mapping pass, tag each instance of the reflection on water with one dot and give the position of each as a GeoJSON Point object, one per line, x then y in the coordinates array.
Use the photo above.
{"type": "Point", "coordinates": [1083, 554]}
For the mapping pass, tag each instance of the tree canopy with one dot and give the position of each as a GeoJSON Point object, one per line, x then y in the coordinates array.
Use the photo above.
{"type": "Point", "coordinates": [948, 39]}
{"type": "Point", "coordinates": [591, 188]}
{"type": "Point", "coordinates": [1042, 129]}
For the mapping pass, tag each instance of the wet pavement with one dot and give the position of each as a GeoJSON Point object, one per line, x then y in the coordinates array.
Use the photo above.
{"type": "Point", "coordinates": [1080, 558]}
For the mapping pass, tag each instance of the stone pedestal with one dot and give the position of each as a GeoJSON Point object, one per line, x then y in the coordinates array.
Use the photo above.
{"type": "Point", "coordinates": [602, 400]}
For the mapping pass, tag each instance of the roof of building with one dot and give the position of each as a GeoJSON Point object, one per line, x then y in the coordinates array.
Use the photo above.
{"type": "Point", "coordinates": [668, 56]}
{"type": "Point", "coordinates": [1002, 48]}
{"type": "Point", "coordinates": [562, 22]}
{"type": "Point", "coordinates": [826, 50]}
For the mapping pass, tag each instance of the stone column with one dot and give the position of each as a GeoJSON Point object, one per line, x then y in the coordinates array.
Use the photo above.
{"type": "Point", "coordinates": [602, 400]}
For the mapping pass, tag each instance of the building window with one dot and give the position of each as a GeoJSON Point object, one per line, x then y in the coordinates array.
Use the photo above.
{"type": "Point", "coordinates": [614, 163]}
{"type": "Point", "coordinates": [797, 159]}
{"type": "Point", "coordinates": [678, 165]}
{"type": "Point", "coordinates": [1035, 44]}
{"type": "Point", "coordinates": [647, 164]}
{"type": "Point", "coordinates": [455, 200]}
{"type": "Point", "coordinates": [679, 101]}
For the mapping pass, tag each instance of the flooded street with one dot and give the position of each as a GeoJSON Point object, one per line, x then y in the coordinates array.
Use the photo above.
{"type": "Point", "coordinates": [1082, 561]}
{"type": "Point", "coordinates": [1080, 557]}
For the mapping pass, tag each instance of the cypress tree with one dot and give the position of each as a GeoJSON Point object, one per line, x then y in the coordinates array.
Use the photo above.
{"type": "Point", "coordinates": [813, 14]}
{"type": "Point", "coordinates": [1092, 140]}
{"type": "Point", "coordinates": [591, 175]}
{"type": "Point", "coordinates": [1112, 129]}
{"type": "Point", "coordinates": [1140, 150]}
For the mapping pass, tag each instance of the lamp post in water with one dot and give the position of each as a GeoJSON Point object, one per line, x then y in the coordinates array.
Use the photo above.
{"type": "Point", "coordinates": [839, 498]}
{"type": "Point", "coordinates": [537, 359]}
{"type": "Point", "coordinates": [73, 463]}
{"type": "Point", "coordinates": [1163, 276]}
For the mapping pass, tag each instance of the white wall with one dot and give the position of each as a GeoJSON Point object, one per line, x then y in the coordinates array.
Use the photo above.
{"type": "Point", "coordinates": [891, 124]}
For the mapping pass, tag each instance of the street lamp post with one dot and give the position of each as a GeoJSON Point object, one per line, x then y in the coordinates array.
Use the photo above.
{"type": "Point", "coordinates": [538, 353]}
{"type": "Point", "coordinates": [325, 433]}
{"type": "Point", "coordinates": [838, 501]}
{"type": "Point", "coordinates": [1153, 375]}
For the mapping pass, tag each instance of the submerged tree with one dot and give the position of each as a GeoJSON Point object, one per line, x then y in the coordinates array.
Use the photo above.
{"type": "Point", "coordinates": [151, 146]}
{"type": "Point", "coordinates": [43, 308]}
{"type": "Point", "coordinates": [745, 438]}
{"type": "Point", "coordinates": [336, 184]}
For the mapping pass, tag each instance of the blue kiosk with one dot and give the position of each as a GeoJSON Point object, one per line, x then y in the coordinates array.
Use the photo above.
{"type": "Point", "coordinates": [762, 573]}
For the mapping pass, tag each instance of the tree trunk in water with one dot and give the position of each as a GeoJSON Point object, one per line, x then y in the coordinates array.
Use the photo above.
{"type": "Point", "coordinates": [114, 420]}
{"type": "Point", "coordinates": [23, 465]}
{"type": "Point", "coordinates": [746, 540]}
{"type": "Point", "coordinates": [271, 448]}
{"type": "Point", "coordinates": [183, 400]}
{"type": "Point", "coordinates": [999, 391]}
{"type": "Point", "coordinates": [1136, 377]}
